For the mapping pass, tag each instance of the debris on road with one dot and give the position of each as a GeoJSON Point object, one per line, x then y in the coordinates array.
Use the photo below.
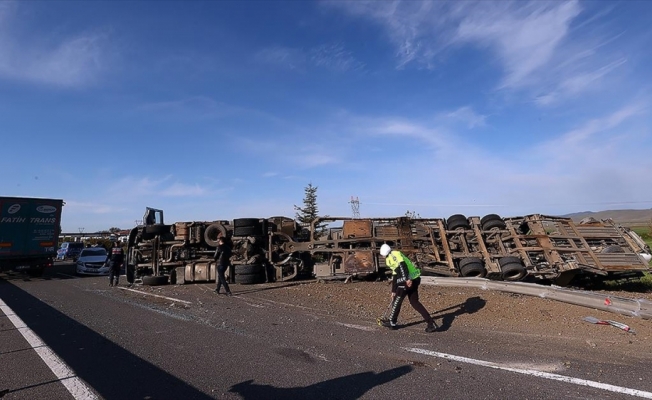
{"type": "Point", "coordinates": [618, 325]}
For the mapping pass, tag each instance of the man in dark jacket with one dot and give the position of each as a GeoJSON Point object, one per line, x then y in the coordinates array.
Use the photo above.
{"type": "Point", "coordinates": [223, 257]}
{"type": "Point", "coordinates": [114, 260]}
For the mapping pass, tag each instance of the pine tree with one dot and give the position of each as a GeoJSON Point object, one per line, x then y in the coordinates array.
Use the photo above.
{"type": "Point", "coordinates": [310, 210]}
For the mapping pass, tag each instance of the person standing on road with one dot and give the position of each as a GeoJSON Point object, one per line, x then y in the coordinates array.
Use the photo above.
{"type": "Point", "coordinates": [114, 260]}
{"type": "Point", "coordinates": [223, 257]}
{"type": "Point", "coordinates": [405, 282]}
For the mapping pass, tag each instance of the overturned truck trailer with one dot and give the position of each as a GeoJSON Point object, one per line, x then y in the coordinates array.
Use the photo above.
{"type": "Point", "coordinates": [533, 247]}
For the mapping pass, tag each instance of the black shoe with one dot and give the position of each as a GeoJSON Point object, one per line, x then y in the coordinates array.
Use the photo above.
{"type": "Point", "coordinates": [217, 291]}
{"type": "Point", "coordinates": [389, 324]}
{"type": "Point", "coordinates": [229, 294]}
{"type": "Point", "coordinates": [431, 327]}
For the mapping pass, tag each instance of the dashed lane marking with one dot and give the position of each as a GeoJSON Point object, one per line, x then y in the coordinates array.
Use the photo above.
{"type": "Point", "coordinates": [77, 388]}
{"type": "Point", "coordinates": [540, 374]}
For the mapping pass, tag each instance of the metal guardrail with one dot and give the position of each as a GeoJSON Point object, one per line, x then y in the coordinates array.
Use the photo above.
{"type": "Point", "coordinates": [640, 308]}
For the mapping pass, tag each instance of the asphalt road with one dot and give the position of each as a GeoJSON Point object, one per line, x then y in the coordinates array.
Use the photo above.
{"type": "Point", "coordinates": [189, 343]}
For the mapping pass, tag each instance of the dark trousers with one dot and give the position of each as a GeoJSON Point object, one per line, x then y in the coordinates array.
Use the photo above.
{"type": "Point", "coordinates": [412, 294]}
{"type": "Point", "coordinates": [221, 278]}
{"type": "Point", "coordinates": [114, 272]}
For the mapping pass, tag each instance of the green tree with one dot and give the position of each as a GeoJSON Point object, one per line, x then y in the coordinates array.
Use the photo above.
{"type": "Point", "coordinates": [310, 210]}
{"type": "Point", "coordinates": [114, 230]}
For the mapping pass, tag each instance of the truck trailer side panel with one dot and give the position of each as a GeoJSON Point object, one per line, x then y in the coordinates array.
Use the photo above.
{"type": "Point", "coordinates": [29, 232]}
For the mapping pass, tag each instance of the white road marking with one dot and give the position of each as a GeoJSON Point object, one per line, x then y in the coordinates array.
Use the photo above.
{"type": "Point", "coordinates": [155, 295]}
{"type": "Point", "coordinates": [65, 374]}
{"type": "Point", "coordinates": [69, 276]}
{"type": "Point", "coordinates": [540, 374]}
{"type": "Point", "coordinates": [360, 327]}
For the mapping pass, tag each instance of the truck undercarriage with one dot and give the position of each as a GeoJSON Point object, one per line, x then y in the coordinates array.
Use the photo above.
{"type": "Point", "coordinates": [534, 247]}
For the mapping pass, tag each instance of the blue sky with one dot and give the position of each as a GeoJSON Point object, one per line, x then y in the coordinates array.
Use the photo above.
{"type": "Point", "coordinates": [218, 110]}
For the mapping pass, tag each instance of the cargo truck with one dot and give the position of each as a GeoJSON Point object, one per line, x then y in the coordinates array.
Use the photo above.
{"type": "Point", "coordinates": [533, 247]}
{"type": "Point", "coordinates": [29, 233]}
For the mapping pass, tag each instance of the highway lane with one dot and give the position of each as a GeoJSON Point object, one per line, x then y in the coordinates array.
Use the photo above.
{"type": "Point", "coordinates": [131, 345]}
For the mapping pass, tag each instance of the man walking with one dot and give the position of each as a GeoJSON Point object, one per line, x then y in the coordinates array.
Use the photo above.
{"type": "Point", "coordinates": [223, 257]}
{"type": "Point", "coordinates": [405, 282]}
{"type": "Point", "coordinates": [114, 260]}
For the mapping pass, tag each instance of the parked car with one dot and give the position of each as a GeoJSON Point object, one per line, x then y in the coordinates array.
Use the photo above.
{"type": "Point", "coordinates": [91, 261]}
{"type": "Point", "coordinates": [69, 250]}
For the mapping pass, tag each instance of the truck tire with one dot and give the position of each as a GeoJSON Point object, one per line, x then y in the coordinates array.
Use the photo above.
{"type": "Point", "coordinates": [155, 280]}
{"type": "Point", "coordinates": [249, 279]}
{"type": "Point", "coordinates": [246, 269]}
{"type": "Point", "coordinates": [512, 269]}
{"type": "Point", "coordinates": [492, 221]}
{"type": "Point", "coordinates": [613, 249]}
{"type": "Point", "coordinates": [494, 224]}
{"type": "Point", "coordinates": [472, 267]}
{"type": "Point", "coordinates": [214, 232]}
{"type": "Point", "coordinates": [457, 221]}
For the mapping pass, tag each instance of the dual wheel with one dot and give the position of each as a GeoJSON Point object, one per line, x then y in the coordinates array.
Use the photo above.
{"type": "Point", "coordinates": [488, 222]}
{"type": "Point", "coordinates": [511, 268]}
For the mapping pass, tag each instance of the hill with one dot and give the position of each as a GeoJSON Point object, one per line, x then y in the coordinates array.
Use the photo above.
{"type": "Point", "coordinates": [624, 217]}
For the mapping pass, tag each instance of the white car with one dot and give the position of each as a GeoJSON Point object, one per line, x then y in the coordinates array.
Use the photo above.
{"type": "Point", "coordinates": [91, 261]}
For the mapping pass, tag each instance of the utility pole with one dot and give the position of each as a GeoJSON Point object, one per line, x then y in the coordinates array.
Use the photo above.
{"type": "Point", "coordinates": [355, 206]}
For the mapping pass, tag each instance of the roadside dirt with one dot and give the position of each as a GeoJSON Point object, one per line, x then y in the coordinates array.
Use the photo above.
{"type": "Point", "coordinates": [519, 320]}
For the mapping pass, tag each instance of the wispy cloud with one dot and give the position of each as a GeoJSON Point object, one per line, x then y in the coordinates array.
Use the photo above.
{"type": "Point", "coordinates": [70, 62]}
{"type": "Point", "coordinates": [532, 42]}
{"type": "Point", "coordinates": [166, 186]}
{"type": "Point", "coordinates": [284, 57]}
{"type": "Point", "coordinates": [467, 116]}
{"type": "Point", "coordinates": [580, 138]}
{"type": "Point", "coordinates": [333, 57]}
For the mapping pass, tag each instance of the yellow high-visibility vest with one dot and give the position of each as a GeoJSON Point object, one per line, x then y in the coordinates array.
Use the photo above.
{"type": "Point", "coordinates": [395, 258]}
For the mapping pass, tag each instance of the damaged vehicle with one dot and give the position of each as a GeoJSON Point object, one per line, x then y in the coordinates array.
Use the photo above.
{"type": "Point", "coordinates": [533, 247]}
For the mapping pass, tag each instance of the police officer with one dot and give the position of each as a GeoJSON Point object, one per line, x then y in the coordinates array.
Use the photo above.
{"type": "Point", "coordinates": [405, 282]}
{"type": "Point", "coordinates": [114, 260]}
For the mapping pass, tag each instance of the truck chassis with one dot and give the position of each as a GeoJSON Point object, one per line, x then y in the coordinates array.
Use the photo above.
{"type": "Point", "coordinates": [533, 247]}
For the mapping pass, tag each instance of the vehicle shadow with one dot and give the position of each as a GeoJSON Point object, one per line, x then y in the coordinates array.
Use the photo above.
{"type": "Point", "coordinates": [470, 306]}
{"type": "Point", "coordinates": [348, 387]}
{"type": "Point", "coordinates": [112, 371]}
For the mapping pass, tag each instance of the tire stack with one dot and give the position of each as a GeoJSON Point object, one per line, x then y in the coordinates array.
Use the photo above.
{"type": "Point", "coordinates": [248, 274]}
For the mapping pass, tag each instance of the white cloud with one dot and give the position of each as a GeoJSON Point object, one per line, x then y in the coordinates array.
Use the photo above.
{"type": "Point", "coordinates": [71, 62]}
{"type": "Point", "coordinates": [467, 116]}
{"type": "Point", "coordinates": [525, 39]}
{"type": "Point", "coordinates": [577, 142]}
{"type": "Point", "coordinates": [534, 43]}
